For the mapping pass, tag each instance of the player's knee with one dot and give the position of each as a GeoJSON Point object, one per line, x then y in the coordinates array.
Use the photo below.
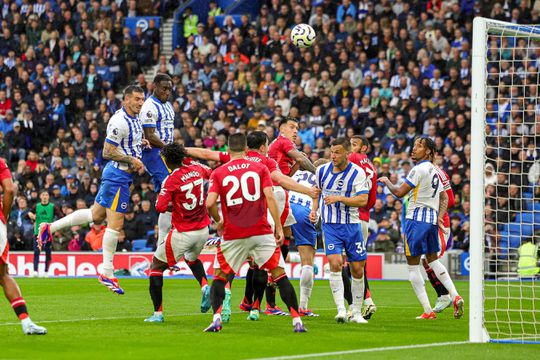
{"type": "Point", "coordinates": [277, 272]}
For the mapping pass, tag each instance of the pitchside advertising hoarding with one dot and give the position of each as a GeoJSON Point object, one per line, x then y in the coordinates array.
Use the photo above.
{"type": "Point", "coordinates": [138, 264]}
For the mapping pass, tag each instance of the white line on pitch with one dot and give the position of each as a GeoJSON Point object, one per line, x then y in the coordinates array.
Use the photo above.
{"type": "Point", "coordinates": [357, 351]}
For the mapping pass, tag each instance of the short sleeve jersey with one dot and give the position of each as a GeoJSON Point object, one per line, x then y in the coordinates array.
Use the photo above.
{"type": "Point", "coordinates": [4, 174]}
{"type": "Point", "coordinates": [240, 184]}
{"type": "Point", "coordinates": [184, 188]}
{"type": "Point", "coordinates": [278, 150]}
{"type": "Point", "coordinates": [423, 201]}
{"type": "Point", "coordinates": [371, 179]}
{"type": "Point", "coordinates": [158, 115]}
{"type": "Point", "coordinates": [254, 156]}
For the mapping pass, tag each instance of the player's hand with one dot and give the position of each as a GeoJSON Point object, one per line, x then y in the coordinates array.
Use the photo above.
{"type": "Point", "coordinates": [146, 144]}
{"type": "Point", "coordinates": [280, 236]}
{"type": "Point", "coordinates": [313, 217]}
{"type": "Point", "coordinates": [220, 227]}
{"type": "Point", "coordinates": [314, 192]}
{"type": "Point", "coordinates": [136, 165]}
{"type": "Point", "coordinates": [39, 244]}
{"type": "Point", "coordinates": [331, 199]}
{"type": "Point", "coordinates": [384, 180]}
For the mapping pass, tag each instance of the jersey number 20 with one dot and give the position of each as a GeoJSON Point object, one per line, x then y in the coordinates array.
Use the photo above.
{"type": "Point", "coordinates": [243, 186]}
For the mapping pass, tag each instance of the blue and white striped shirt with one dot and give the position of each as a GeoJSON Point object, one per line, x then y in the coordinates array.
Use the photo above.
{"type": "Point", "coordinates": [349, 183]}
{"type": "Point", "coordinates": [307, 179]}
{"type": "Point", "coordinates": [125, 132]}
{"type": "Point", "coordinates": [426, 184]}
{"type": "Point", "coordinates": [158, 115]}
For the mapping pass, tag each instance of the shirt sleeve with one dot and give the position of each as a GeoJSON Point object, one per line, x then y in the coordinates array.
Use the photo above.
{"type": "Point", "coordinates": [165, 195]}
{"type": "Point", "coordinates": [148, 116]}
{"type": "Point", "coordinates": [115, 133]}
{"type": "Point", "coordinates": [214, 184]}
{"type": "Point", "coordinates": [287, 146]}
{"type": "Point", "coordinates": [414, 177]}
{"type": "Point", "coordinates": [266, 181]}
{"type": "Point", "coordinates": [224, 157]}
{"type": "Point", "coordinates": [272, 165]}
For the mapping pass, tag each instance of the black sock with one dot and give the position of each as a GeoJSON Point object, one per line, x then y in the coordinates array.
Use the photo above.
{"type": "Point", "coordinates": [197, 269]}
{"type": "Point", "coordinates": [48, 256]}
{"type": "Point", "coordinates": [271, 295]}
{"type": "Point", "coordinates": [366, 283]}
{"type": "Point", "coordinates": [285, 249]}
{"type": "Point", "coordinates": [260, 279]}
{"type": "Point", "coordinates": [288, 295]}
{"type": "Point", "coordinates": [217, 294]}
{"type": "Point", "coordinates": [248, 292]}
{"type": "Point", "coordinates": [36, 260]}
{"type": "Point", "coordinates": [435, 283]}
{"type": "Point", "coordinates": [347, 293]}
{"type": "Point", "coordinates": [156, 291]}
{"type": "Point", "coordinates": [230, 278]}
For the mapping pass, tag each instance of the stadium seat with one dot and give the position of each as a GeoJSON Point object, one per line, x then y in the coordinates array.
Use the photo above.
{"type": "Point", "coordinates": [527, 195]}
{"type": "Point", "coordinates": [138, 245]}
{"type": "Point", "coordinates": [520, 229]}
{"type": "Point", "coordinates": [150, 232]}
{"type": "Point", "coordinates": [536, 206]}
{"type": "Point", "coordinates": [525, 218]}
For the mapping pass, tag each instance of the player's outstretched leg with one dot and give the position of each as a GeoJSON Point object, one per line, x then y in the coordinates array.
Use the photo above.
{"type": "Point", "coordinates": [247, 302]}
{"type": "Point", "coordinates": [442, 274]}
{"type": "Point", "coordinates": [417, 282]}
{"type": "Point", "coordinates": [13, 294]}
{"type": "Point", "coordinates": [288, 295]}
{"type": "Point", "coordinates": [259, 279]}
{"type": "Point", "coordinates": [217, 295]}
{"type": "Point", "coordinates": [79, 217]}
{"type": "Point", "coordinates": [110, 241]}
{"type": "Point", "coordinates": [197, 268]}
{"type": "Point", "coordinates": [369, 306]}
{"type": "Point", "coordinates": [156, 293]}
{"type": "Point", "coordinates": [443, 298]}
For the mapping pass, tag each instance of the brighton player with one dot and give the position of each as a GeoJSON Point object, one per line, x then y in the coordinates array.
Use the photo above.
{"type": "Point", "coordinates": [359, 148]}
{"type": "Point", "coordinates": [10, 287]}
{"type": "Point", "coordinates": [427, 204]}
{"type": "Point", "coordinates": [257, 142]}
{"type": "Point", "coordinates": [184, 188]}
{"type": "Point", "coordinates": [305, 235]}
{"type": "Point", "coordinates": [344, 190]}
{"type": "Point", "coordinates": [245, 188]}
{"type": "Point", "coordinates": [123, 147]}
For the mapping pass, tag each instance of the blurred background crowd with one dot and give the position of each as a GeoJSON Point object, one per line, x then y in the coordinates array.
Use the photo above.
{"type": "Point", "coordinates": [390, 70]}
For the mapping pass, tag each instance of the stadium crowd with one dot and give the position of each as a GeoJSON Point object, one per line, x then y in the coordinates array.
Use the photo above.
{"type": "Point", "coordinates": [392, 71]}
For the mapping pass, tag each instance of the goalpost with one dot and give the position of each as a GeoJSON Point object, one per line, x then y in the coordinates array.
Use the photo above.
{"type": "Point", "coordinates": [504, 306]}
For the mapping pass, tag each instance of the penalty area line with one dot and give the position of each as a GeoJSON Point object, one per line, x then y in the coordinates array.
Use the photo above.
{"type": "Point", "coordinates": [358, 351]}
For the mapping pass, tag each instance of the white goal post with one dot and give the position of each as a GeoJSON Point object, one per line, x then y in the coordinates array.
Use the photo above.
{"type": "Point", "coordinates": [504, 305]}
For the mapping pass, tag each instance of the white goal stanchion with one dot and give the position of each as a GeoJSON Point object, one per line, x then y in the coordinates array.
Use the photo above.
{"type": "Point", "coordinates": [505, 169]}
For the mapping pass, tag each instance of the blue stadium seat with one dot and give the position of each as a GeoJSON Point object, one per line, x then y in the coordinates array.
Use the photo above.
{"type": "Point", "coordinates": [150, 232]}
{"type": "Point", "coordinates": [138, 245]}
{"type": "Point", "coordinates": [525, 218]}
{"type": "Point", "coordinates": [527, 195]}
{"type": "Point", "coordinates": [520, 229]}
{"type": "Point", "coordinates": [536, 206]}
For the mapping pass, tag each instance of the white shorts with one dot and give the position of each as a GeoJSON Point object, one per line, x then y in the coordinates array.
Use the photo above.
{"type": "Point", "coordinates": [181, 244]}
{"type": "Point", "coordinates": [285, 213]}
{"type": "Point", "coordinates": [262, 249]}
{"type": "Point", "coordinates": [365, 230]}
{"type": "Point", "coordinates": [4, 245]}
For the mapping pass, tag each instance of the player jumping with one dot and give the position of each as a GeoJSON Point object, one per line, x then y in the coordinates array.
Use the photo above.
{"type": "Point", "coordinates": [185, 189]}
{"type": "Point", "coordinates": [123, 147]}
{"type": "Point", "coordinates": [427, 204]}
{"type": "Point", "coordinates": [157, 118]}
{"type": "Point", "coordinates": [10, 287]}
{"type": "Point", "coordinates": [344, 190]}
{"type": "Point", "coordinates": [245, 188]}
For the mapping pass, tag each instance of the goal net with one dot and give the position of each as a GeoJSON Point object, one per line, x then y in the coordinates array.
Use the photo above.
{"type": "Point", "coordinates": [505, 192]}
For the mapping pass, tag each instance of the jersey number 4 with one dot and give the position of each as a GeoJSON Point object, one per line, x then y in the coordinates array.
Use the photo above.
{"type": "Point", "coordinates": [242, 184]}
{"type": "Point", "coordinates": [188, 188]}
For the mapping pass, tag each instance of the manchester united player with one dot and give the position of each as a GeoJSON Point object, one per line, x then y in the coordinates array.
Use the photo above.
{"type": "Point", "coordinates": [10, 287]}
{"type": "Point", "coordinates": [245, 188]}
{"type": "Point", "coordinates": [184, 188]}
{"type": "Point", "coordinates": [359, 148]}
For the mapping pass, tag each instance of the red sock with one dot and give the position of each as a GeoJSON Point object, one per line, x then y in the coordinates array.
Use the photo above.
{"type": "Point", "coordinates": [19, 306]}
{"type": "Point", "coordinates": [256, 305]}
{"type": "Point", "coordinates": [204, 282]}
{"type": "Point", "coordinates": [368, 294]}
{"type": "Point", "coordinates": [228, 285]}
{"type": "Point", "coordinates": [294, 314]}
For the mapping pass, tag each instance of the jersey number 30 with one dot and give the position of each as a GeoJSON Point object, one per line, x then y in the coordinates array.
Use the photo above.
{"type": "Point", "coordinates": [242, 184]}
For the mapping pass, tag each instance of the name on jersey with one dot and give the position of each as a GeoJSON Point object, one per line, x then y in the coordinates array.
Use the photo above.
{"type": "Point", "coordinates": [190, 175]}
{"type": "Point", "coordinates": [235, 167]}
{"type": "Point", "coordinates": [254, 159]}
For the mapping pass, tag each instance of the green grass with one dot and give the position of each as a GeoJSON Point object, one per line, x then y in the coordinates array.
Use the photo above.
{"type": "Point", "coordinates": [87, 321]}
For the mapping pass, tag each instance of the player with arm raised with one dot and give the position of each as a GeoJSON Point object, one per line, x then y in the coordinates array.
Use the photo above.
{"type": "Point", "coordinates": [245, 188]}
{"type": "Point", "coordinates": [184, 188]}
{"type": "Point", "coordinates": [427, 205]}
{"type": "Point", "coordinates": [123, 148]}
{"type": "Point", "coordinates": [359, 148]}
{"type": "Point", "coordinates": [344, 190]}
{"type": "Point", "coordinates": [9, 285]}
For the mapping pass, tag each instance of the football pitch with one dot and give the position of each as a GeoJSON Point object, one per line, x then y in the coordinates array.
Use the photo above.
{"type": "Point", "coordinates": [85, 321]}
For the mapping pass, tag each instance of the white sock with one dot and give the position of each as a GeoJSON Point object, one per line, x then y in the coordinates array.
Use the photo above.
{"type": "Point", "coordinates": [79, 217]}
{"type": "Point", "coordinates": [164, 225]}
{"type": "Point", "coordinates": [157, 313]}
{"type": "Point", "coordinates": [369, 301]}
{"type": "Point", "coordinates": [296, 320]}
{"type": "Point", "coordinates": [110, 240]}
{"type": "Point", "coordinates": [444, 277]}
{"type": "Point", "coordinates": [295, 258]}
{"type": "Point", "coordinates": [336, 284]}
{"type": "Point", "coordinates": [306, 285]}
{"type": "Point", "coordinates": [419, 287]}
{"type": "Point", "coordinates": [216, 316]}
{"type": "Point", "coordinates": [26, 321]}
{"type": "Point", "coordinates": [357, 289]}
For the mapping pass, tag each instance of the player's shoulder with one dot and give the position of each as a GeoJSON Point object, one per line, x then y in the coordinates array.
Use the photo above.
{"type": "Point", "coordinates": [118, 118]}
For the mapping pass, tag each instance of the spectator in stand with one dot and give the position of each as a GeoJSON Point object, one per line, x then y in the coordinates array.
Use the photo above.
{"type": "Point", "coordinates": [95, 236]}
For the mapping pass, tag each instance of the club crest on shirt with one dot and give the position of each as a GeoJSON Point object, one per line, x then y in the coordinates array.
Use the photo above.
{"type": "Point", "coordinates": [149, 114]}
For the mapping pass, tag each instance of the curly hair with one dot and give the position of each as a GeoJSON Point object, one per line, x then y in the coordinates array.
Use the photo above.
{"type": "Point", "coordinates": [174, 154]}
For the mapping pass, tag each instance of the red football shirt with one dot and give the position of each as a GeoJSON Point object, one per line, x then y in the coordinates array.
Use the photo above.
{"type": "Point", "coordinates": [254, 156]}
{"type": "Point", "coordinates": [278, 150]}
{"type": "Point", "coordinates": [371, 176]}
{"type": "Point", "coordinates": [448, 188]}
{"type": "Point", "coordinates": [184, 187]}
{"type": "Point", "coordinates": [4, 174]}
{"type": "Point", "coordinates": [240, 184]}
